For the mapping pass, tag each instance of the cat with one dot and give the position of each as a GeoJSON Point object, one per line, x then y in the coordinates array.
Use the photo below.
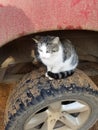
{"type": "Point", "coordinates": [58, 55]}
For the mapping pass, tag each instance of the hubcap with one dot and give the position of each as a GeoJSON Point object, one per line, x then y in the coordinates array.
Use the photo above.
{"type": "Point", "coordinates": [64, 115]}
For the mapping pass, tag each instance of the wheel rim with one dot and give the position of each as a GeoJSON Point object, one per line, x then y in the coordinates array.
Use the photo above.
{"type": "Point", "coordinates": [61, 115]}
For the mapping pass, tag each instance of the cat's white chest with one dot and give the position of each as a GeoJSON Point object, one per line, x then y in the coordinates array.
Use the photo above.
{"type": "Point", "coordinates": [50, 61]}
{"type": "Point", "coordinates": [54, 60]}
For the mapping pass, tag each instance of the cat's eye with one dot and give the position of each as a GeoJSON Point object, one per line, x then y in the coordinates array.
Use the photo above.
{"type": "Point", "coordinates": [53, 50]}
{"type": "Point", "coordinates": [47, 51]}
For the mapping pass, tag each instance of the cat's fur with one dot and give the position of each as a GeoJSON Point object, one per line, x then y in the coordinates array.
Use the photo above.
{"type": "Point", "coordinates": [59, 56]}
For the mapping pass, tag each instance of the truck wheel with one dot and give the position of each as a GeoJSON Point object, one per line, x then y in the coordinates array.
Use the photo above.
{"type": "Point", "coordinates": [37, 103]}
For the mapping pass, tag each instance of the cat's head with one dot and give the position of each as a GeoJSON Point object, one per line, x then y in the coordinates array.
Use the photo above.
{"type": "Point", "coordinates": [48, 46]}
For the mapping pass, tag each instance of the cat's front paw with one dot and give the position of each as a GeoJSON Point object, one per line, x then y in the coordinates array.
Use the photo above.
{"type": "Point", "coordinates": [46, 74]}
{"type": "Point", "coordinates": [50, 78]}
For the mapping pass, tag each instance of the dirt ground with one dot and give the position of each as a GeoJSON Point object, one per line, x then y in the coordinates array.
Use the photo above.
{"type": "Point", "coordinates": [4, 92]}
{"type": "Point", "coordinates": [90, 69]}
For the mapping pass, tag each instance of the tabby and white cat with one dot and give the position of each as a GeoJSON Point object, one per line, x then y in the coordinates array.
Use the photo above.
{"type": "Point", "coordinates": [59, 56]}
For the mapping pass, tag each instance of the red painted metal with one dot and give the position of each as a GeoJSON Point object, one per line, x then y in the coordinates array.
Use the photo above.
{"type": "Point", "coordinates": [22, 17]}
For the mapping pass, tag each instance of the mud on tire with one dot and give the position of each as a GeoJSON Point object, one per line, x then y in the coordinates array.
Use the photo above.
{"type": "Point", "coordinates": [35, 95]}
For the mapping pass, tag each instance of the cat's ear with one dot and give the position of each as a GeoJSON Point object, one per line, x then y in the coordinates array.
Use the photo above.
{"type": "Point", "coordinates": [56, 40]}
{"type": "Point", "coordinates": [36, 41]}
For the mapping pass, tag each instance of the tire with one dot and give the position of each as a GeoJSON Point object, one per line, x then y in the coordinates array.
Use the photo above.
{"type": "Point", "coordinates": [70, 104]}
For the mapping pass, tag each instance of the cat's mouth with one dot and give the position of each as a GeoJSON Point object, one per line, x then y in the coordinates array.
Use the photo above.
{"type": "Point", "coordinates": [44, 57]}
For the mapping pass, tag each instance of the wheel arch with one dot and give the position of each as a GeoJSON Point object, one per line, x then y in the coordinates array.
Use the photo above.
{"type": "Point", "coordinates": [19, 18]}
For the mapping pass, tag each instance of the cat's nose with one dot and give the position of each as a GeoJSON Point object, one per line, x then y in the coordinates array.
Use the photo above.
{"type": "Point", "coordinates": [44, 57]}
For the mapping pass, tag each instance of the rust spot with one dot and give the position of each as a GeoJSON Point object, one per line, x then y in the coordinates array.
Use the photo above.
{"type": "Point", "coordinates": [70, 27]}
{"type": "Point", "coordinates": [79, 27]}
{"type": "Point", "coordinates": [59, 27]}
{"type": "Point", "coordinates": [22, 34]}
{"type": "Point", "coordinates": [1, 5]}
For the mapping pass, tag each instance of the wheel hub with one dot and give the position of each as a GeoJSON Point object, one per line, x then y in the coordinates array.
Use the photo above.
{"type": "Point", "coordinates": [69, 115]}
